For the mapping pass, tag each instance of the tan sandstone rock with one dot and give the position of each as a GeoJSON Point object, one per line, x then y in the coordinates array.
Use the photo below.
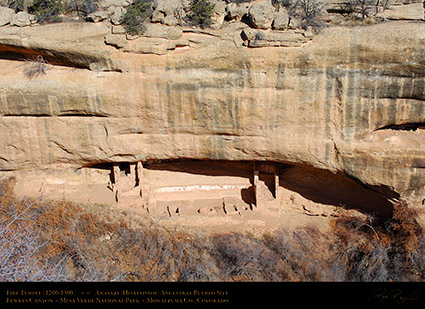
{"type": "Point", "coordinates": [262, 14]}
{"type": "Point", "coordinates": [6, 15]}
{"type": "Point", "coordinates": [326, 103]}
{"type": "Point", "coordinates": [22, 19]}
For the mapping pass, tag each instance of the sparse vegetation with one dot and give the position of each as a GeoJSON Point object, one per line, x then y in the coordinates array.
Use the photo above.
{"type": "Point", "coordinates": [364, 9]}
{"type": "Point", "coordinates": [17, 5]}
{"type": "Point", "coordinates": [278, 3]}
{"type": "Point", "coordinates": [238, 1]}
{"type": "Point", "coordinates": [201, 13]}
{"type": "Point", "coordinates": [135, 16]}
{"type": "Point", "coordinates": [391, 251]}
{"type": "Point", "coordinates": [303, 13]}
{"type": "Point", "coordinates": [47, 11]}
{"type": "Point", "coordinates": [34, 68]}
{"type": "Point", "coordinates": [21, 243]}
{"type": "Point", "coordinates": [82, 7]}
{"type": "Point", "coordinates": [60, 241]}
{"type": "Point", "coordinates": [309, 12]}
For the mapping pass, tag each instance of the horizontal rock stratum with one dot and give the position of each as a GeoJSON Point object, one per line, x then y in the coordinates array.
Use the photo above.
{"type": "Point", "coordinates": [350, 99]}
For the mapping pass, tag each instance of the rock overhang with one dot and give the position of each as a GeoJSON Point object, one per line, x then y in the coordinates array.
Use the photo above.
{"type": "Point", "coordinates": [317, 104]}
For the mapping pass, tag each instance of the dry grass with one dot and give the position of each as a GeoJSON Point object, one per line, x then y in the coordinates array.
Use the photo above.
{"type": "Point", "coordinates": [62, 241]}
{"type": "Point", "coordinates": [21, 243]}
{"type": "Point", "coordinates": [391, 251]}
{"type": "Point", "coordinates": [35, 68]}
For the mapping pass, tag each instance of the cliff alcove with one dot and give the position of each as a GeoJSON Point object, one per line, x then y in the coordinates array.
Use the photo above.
{"type": "Point", "coordinates": [213, 190]}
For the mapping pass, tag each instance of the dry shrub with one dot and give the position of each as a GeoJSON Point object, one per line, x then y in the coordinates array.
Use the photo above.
{"type": "Point", "coordinates": [153, 253]}
{"type": "Point", "coordinates": [390, 251]}
{"type": "Point", "coordinates": [35, 68]}
{"type": "Point", "coordinates": [61, 241]}
{"type": "Point", "coordinates": [244, 258]}
{"type": "Point", "coordinates": [302, 254]}
{"type": "Point", "coordinates": [7, 197]}
{"type": "Point", "coordinates": [278, 256]}
{"type": "Point", "coordinates": [75, 236]}
{"type": "Point", "coordinates": [404, 228]}
{"type": "Point", "coordinates": [42, 241]}
{"type": "Point", "coordinates": [408, 241]}
{"type": "Point", "coordinates": [360, 254]}
{"type": "Point", "coordinates": [87, 245]}
{"type": "Point", "coordinates": [21, 242]}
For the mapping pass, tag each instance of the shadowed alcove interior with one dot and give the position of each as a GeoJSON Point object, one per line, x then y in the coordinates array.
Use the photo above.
{"type": "Point", "coordinates": [179, 177]}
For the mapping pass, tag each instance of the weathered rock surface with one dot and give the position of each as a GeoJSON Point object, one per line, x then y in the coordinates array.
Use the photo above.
{"type": "Point", "coordinates": [6, 15]}
{"type": "Point", "coordinates": [70, 44]}
{"type": "Point", "coordinates": [262, 14]}
{"type": "Point", "coordinates": [332, 103]}
{"type": "Point", "coordinates": [281, 21]}
{"type": "Point", "coordinates": [404, 12]}
{"type": "Point", "coordinates": [166, 11]}
{"type": "Point", "coordinates": [22, 19]}
{"type": "Point", "coordinates": [336, 5]}
{"type": "Point", "coordinates": [259, 38]}
{"type": "Point", "coordinates": [235, 11]}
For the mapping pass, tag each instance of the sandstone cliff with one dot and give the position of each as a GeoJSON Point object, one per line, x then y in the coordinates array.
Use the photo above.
{"type": "Point", "coordinates": [349, 99]}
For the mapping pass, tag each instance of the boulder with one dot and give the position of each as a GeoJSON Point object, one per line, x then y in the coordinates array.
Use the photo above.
{"type": "Point", "coordinates": [166, 12]}
{"type": "Point", "coordinates": [6, 15]}
{"type": "Point", "coordinates": [98, 16]}
{"type": "Point", "coordinates": [295, 23]}
{"type": "Point", "coordinates": [104, 4]}
{"type": "Point", "coordinates": [170, 20]}
{"type": "Point", "coordinates": [281, 22]}
{"type": "Point", "coordinates": [22, 19]}
{"type": "Point", "coordinates": [26, 4]}
{"type": "Point", "coordinates": [117, 15]}
{"type": "Point", "coordinates": [219, 13]}
{"type": "Point", "coordinates": [167, 7]}
{"type": "Point", "coordinates": [162, 31]}
{"type": "Point", "coordinates": [262, 14]}
{"type": "Point", "coordinates": [235, 11]}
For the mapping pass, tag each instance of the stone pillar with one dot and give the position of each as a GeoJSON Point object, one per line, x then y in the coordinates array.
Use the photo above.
{"type": "Point", "coordinates": [276, 181]}
{"type": "Point", "coordinates": [115, 173]}
{"type": "Point", "coordinates": [132, 170]}
{"type": "Point", "coordinates": [256, 181]}
{"type": "Point", "coordinates": [115, 180]}
{"type": "Point", "coordinates": [139, 177]}
{"type": "Point", "coordinates": [139, 172]}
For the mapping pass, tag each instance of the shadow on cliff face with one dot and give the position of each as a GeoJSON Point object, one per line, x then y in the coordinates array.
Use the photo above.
{"type": "Point", "coordinates": [324, 187]}
{"type": "Point", "coordinates": [413, 126]}
{"type": "Point", "coordinates": [204, 167]}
